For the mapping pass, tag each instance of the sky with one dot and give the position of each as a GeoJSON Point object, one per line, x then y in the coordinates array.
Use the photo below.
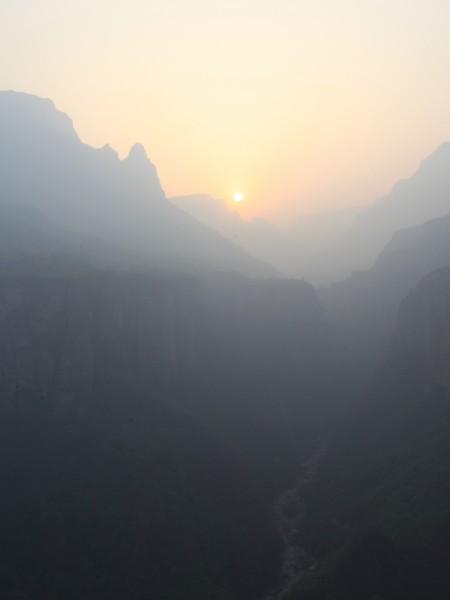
{"type": "Point", "coordinates": [300, 105]}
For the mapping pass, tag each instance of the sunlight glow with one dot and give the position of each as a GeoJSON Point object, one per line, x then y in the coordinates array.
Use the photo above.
{"type": "Point", "coordinates": [238, 197]}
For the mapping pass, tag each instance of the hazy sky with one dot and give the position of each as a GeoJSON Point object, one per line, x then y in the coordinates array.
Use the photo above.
{"type": "Point", "coordinates": [300, 104]}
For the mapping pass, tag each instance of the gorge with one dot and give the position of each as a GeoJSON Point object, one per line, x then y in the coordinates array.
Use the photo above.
{"type": "Point", "coordinates": [181, 421]}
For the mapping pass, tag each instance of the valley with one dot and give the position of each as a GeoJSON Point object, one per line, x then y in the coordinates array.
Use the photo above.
{"type": "Point", "coordinates": [184, 416]}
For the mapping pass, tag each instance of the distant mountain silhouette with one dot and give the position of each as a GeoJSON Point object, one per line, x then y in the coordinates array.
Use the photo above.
{"type": "Point", "coordinates": [257, 236]}
{"type": "Point", "coordinates": [90, 191]}
{"type": "Point", "coordinates": [315, 233]}
{"type": "Point", "coordinates": [363, 308]}
{"type": "Point", "coordinates": [423, 196]}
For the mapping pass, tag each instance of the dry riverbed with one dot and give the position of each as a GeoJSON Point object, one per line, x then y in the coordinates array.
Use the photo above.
{"type": "Point", "coordinates": [288, 511]}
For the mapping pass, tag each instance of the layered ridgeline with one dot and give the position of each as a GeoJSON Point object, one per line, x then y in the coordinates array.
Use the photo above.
{"type": "Point", "coordinates": [327, 247]}
{"type": "Point", "coordinates": [360, 236]}
{"type": "Point", "coordinates": [148, 416]}
{"type": "Point", "coordinates": [257, 236]}
{"type": "Point", "coordinates": [378, 514]}
{"type": "Point", "coordinates": [362, 309]}
{"type": "Point", "coordinates": [313, 235]}
{"type": "Point", "coordinates": [154, 399]}
{"type": "Point", "coordinates": [89, 192]}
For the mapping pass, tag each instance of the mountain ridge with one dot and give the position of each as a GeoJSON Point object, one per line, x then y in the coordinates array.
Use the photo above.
{"type": "Point", "coordinates": [257, 236]}
{"type": "Point", "coordinates": [422, 197]}
{"type": "Point", "coordinates": [89, 190]}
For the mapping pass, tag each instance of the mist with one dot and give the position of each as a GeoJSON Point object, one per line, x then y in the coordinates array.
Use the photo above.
{"type": "Point", "coordinates": [200, 402]}
{"type": "Point", "coordinates": [307, 107]}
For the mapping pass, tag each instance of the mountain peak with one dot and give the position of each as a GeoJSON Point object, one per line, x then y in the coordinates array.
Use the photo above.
{"type": "Point", "coordinates": [138, 163]}
{"type": "Point", "coordinates": [109, 152]}
{"type": "Point", "coordinates": [88, 191]}
{"type": "Point", "coordinates": [34, 115]}
{"type": "Point", "coordinates": [137, 153]}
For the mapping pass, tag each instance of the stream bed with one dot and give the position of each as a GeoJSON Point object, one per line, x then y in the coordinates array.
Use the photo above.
{"type": "Point", "coordinates": [288, 512]}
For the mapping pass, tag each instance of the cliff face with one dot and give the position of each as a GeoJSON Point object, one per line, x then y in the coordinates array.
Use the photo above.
{"type": "Point", "coordinates": [378, 510]}
{"type": "Point", "coordinates": [63, 330]}
{"type": "Point", "coordinates": [422, 338]}
{"type": "Point", "coordinates": [98, 460]}
{"type": "Point", "coordinates": [61, 334]}
{"type": "Point", "coordinates": [363, 309]}
{"type": "Point", "coordinates": [263, 321]}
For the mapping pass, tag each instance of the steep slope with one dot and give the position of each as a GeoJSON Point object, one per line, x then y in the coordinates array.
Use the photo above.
{"type": "Point", "coordinates": [26, 231]}
{"type": "Point", "coordinates": [423, 196]}
{"type": "Point", "coordinates": [44, 164]}
{"type": "Point", "coordinates": [362, 309]}
{"type": "Point", "coordinates": [380, 504]}
{"type": "Point", "coordinates": [421, 343]}
{"type": "Point", "coordinates": [237, 350]}
{"type": "Point", "coordinates": [146, 419]}
{"type": "Point", "coordinates": [111, 488]}
{"type": "Point", "coordinates": [313, 234]}
{"type": "Point", "coordinates": [257, 236]}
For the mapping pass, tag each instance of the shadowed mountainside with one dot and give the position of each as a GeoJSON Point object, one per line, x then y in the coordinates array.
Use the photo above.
{"type": "Point", "coordinates": [90, 191]}
{"type": "Point", "coordinates": [257, 236]}
{"type": "Point", "coordinates": [312, 235]}
{"type": "Point", "coordinates": [146, 420]}
{"type": "Point", "coordinates": [377, 515]}
{"type": "Point", "coordinates": [412, 201]}
{"type": "Point", "coordinates": [362, 310]}
{"type": "Point", "coordinates": [154, 400]}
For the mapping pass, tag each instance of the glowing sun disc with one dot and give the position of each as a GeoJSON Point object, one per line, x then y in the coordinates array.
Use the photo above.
{"type": "Point", "coordinates": [238, 197]}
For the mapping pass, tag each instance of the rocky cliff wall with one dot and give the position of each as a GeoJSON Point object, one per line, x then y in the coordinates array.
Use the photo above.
{"type": "Point", "coordinates": [421, 344]}
{"type": "Point", "coordinates": [62, 333]}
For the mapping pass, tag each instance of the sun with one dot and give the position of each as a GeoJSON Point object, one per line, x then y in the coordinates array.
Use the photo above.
{"type": "Point", "coordinates": [238, 197]}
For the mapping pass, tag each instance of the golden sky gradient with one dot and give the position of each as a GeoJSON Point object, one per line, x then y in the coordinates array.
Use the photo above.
{"type": "Point", "coordinates": [300, 105]}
